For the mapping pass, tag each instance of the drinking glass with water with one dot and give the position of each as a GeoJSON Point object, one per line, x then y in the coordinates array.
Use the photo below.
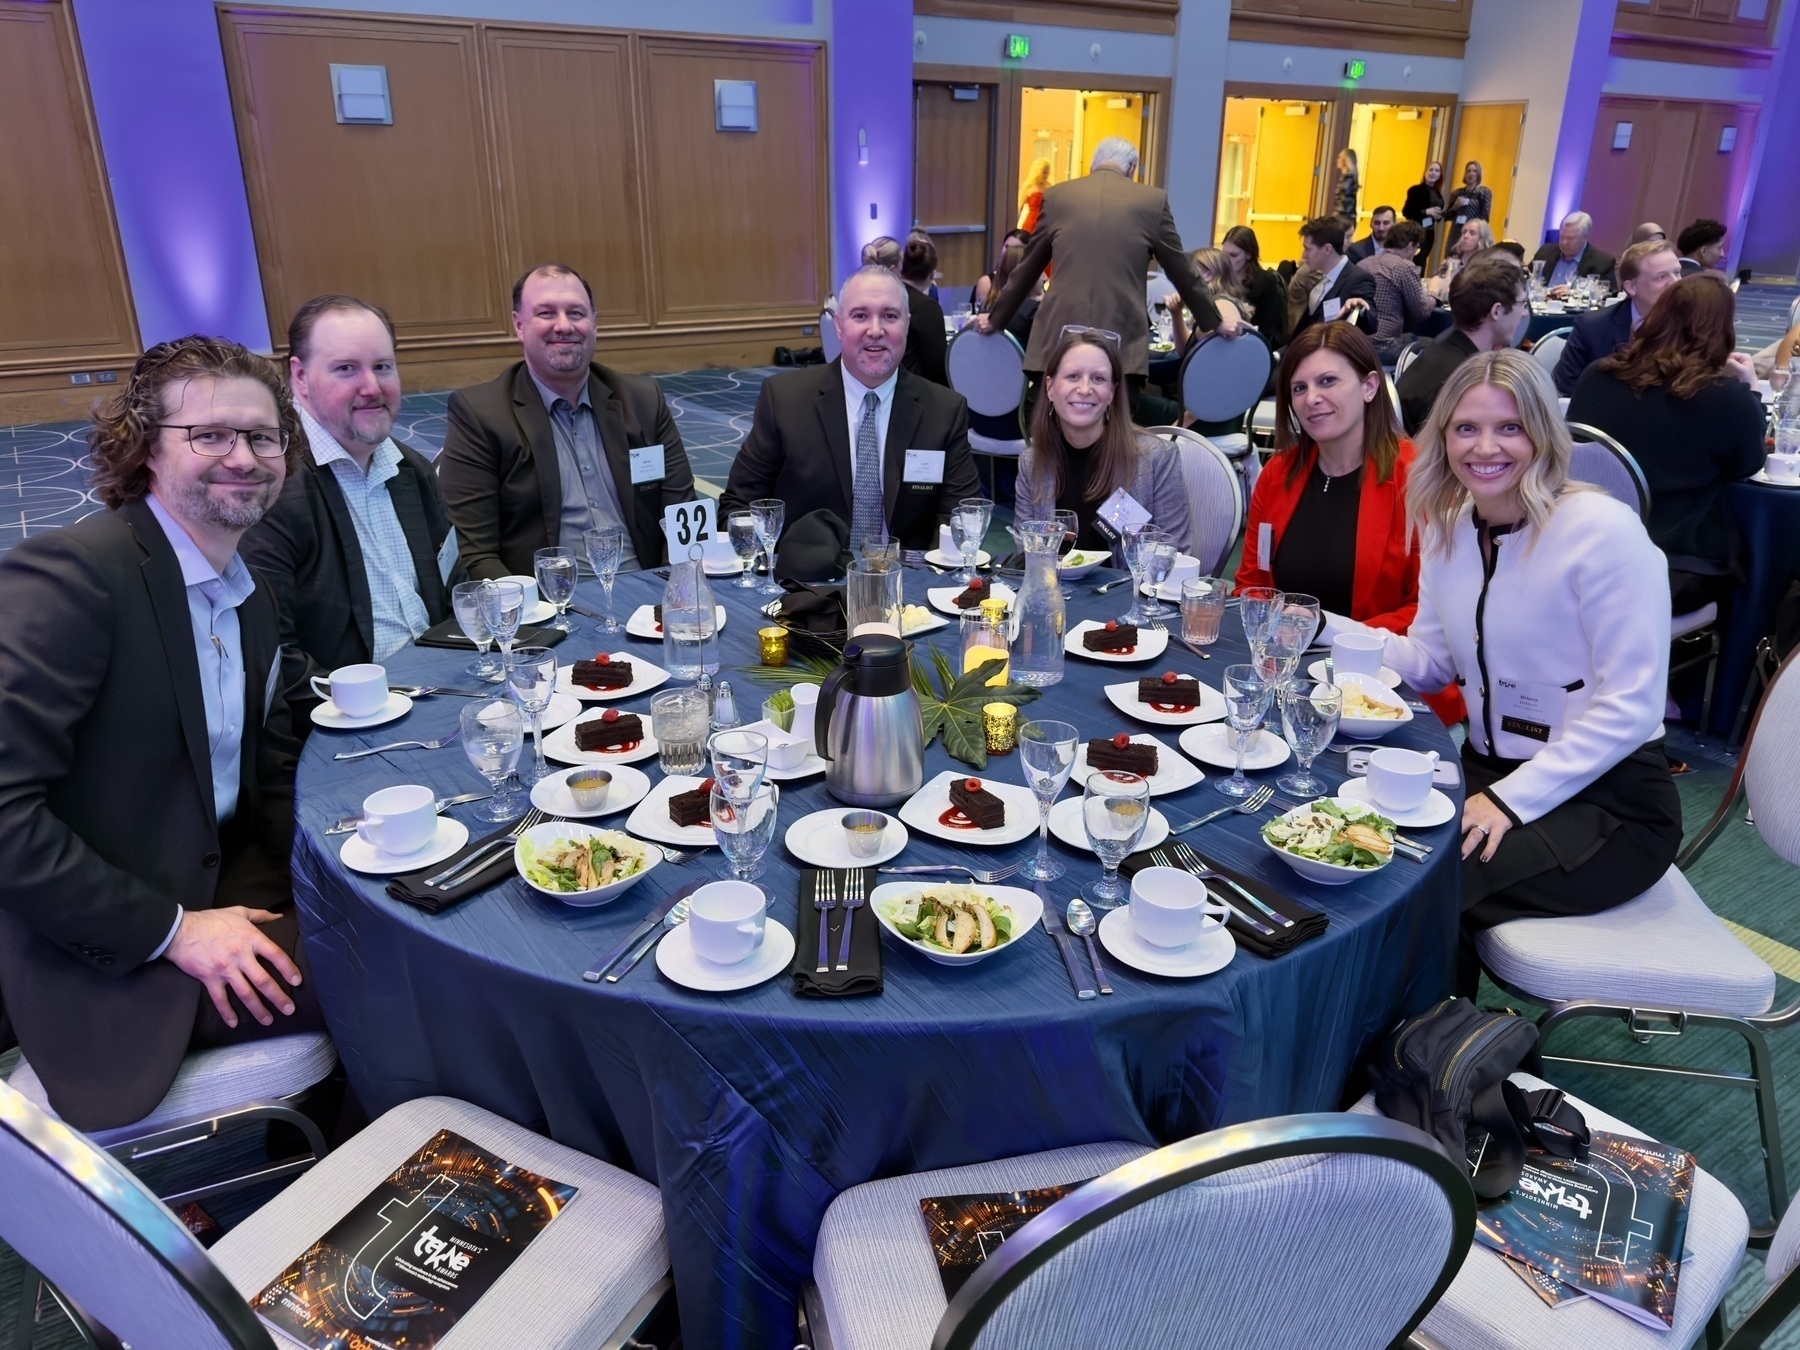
{"type": "Point", "coordinates": [680, 719]}
{"type": "Point", "coordinates": [1203, 608]}
{"type": "Point", "coordinates": [740, 528]}
{"type": "Point", "coordinates": [1047, 750]}
{"type": "Point", "coordinates": [532, 678]}
{"type": "Point", "coordinates": [465, 602]}
{"type": "Point", "coordinates": [1115, 808]}
{"type": "Point", "coordinates": [770, 513]}
{"type": "Point", "coordinates": [1309, 719]}
{"type": "Point", "coordinates": [555, 569]}
{"type": "Point", "coordinates": [745, 830]}
{"type": "Point", "coordinates": [502, 605]}
{"type": "Point", "coordinates": [1247, 696]}
{"type": "Point", "coordinates": [493, 734]}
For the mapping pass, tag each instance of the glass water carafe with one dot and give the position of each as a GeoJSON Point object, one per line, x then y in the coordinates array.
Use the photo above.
{"type": "Point", "coordinates": [689, 621]}
{"type": "Point", "coordinates": [1038, 616]}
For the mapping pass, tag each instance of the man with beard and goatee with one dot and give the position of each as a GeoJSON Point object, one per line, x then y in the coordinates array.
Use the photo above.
{"type": "Point", "coordinates": [147, 784]}
{"type": "Point", "coordinates": [557, 444]}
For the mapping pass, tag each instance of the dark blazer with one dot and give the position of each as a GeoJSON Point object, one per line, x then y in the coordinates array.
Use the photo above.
{"type": "Point", "coordinates": [1591, 263]}
{"type": "Point", "coordinates": [1418, 387]}
{"type": "Point", "coordinates": [1420, 198]}
{"type": "Point", "coordinates": [307, 549]}
{"type": "Point", "coordinates": [1361, 249]}
{"type": "Point", "coordinates": [107, 819]}
{"type": "Point", "coordinates": [1352, 284]}
{"type": "Point", "coordinates": [1592, 337]}
{"type": "Point", "coordinates": [927, 346]}
{"type": "Point", "coordinates": [1266, 294]}
{"type": "Point", "coordinates": [501, 482]}
{"type": "Point", "coordinates": [799, 450]}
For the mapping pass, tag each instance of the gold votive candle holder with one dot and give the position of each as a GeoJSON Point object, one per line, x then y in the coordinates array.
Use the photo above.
{"type": "Point", "coordinates": [1001, 723]}
{"type": "Point", "coordinates": [994, 611]}
{"type": "Point", "coordinates": [774, 642]}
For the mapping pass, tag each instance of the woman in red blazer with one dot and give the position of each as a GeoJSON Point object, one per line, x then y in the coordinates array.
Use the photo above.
{"type": "Point", "coordinates": [1328, 515]}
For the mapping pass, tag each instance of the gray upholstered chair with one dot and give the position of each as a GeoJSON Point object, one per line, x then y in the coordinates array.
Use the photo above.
{"type": "Point", "coordinates": [1316, 1230]}
{"type": "Point", "coordinates": [1407, 355]}
{"type": "Point", "coordinates": [1547, 350]}
{"type": "Point", "coordinates": [988, 369]}
{"type": "Point", "coordinates": [1216, 497]}
{"type": "Point", "coordinates": [126, 1265]}
{"type": "Point", "coordinates": [1781, 1289]}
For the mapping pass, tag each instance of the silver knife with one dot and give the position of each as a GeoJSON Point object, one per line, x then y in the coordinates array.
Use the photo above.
{"type": "Point", "coordinates": [650, 921]}
{"type": "Point", "coordinates": [1053, 926]}
{"type": "Point", "coordinates": [1193, 647]}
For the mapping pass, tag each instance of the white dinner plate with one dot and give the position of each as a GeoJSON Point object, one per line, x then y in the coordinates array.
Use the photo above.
{"type": "Point", "coordinates": [651, 818]}
{"type": "Point", "coordinates": [1151, 643]}
{"type": "Point", "coordinates": [539, 611]}
{"type": "Point", "coordinates": [1387, 675]}
{"type": "Point", "coordinates": [819, 839]}
{"type": "Point", "coordinates": [559, 745]}
{"type": "Point", "coordinates": [563, 708]}
{"type": "Point", "coordinates": [676, 958]}
{"type": "Point", "coordinates": [1211, 707]}
{"type": "Point", "coordinates": [1211, 744]}
{"type": "Point", "coordinates": [923, 808]}
{"type": "Point", "coordinates": [644, 678]}
{"type": "Point", "coordinates": [1437, 810]}
{"type": "Point", "coordinates": [643, 624]}
{"type": "Point", "coordinates": [938, 558]}
{"type": "Point", "coordinates": [1066, 824]}
{"type": "Point", "coordinates": [1210, 951]}
{"type": "Point", "coordinates": [1025, 907]}
{"type": "Point", "coordinates": [1173, 773]}
{"type": "Point", "coordinates": [327, 715]}
{"type": "Point", "coordinates": [629, 786]}
{"type": "Point", "coordinates": [723, 567]}
{"type": "Point", "coordinates": [360, 856]}
{"type": "Point", "coordinates": [942, 596]}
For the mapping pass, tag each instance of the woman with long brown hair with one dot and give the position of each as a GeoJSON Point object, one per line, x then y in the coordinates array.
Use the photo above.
{"type": "Point", "coordinates": [1262, 289]}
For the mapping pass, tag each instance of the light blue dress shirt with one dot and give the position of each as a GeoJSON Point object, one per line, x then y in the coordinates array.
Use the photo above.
{"type": "Point", "coordinates": [590, 499]}
{"type": "Point", "coordinates": [1563, 273]}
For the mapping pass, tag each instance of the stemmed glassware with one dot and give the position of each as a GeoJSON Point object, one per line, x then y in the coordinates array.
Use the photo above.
{"type": "Point", "coordinates": [1255, 605]}
{"type": "Point", "coordinates": [1134, 553]}
{"type": "Point", "coordinates": [1115, 808]}
{"type": "Point", "coordinates": [531, 675]}
{"type": "Point", "coordinates": [1286, 636]}
{"type": "Point", "coordinates": [502, 605]}
{"type": "Point", "coordinates": [1157, 549]}
{"type": "Point", "coordinates": [1071, 524]}
{"type": "Point", "coordinates": [1247, 696]}
{"type": "Point", "coordinates": [1047, 750]}
{"type": "Point", "coordinates": [493, 734]}
{"type": "Point", "coordinates": [555, 568]}
{"type": "Point", "coordinates": [465, 603]}
{"type": "Point", "coordinates": [770, 513]}
{"type": "Point", "coordinates": [1309, 719]}
{"type": "Point", "coordinates": [740, 759]}
{"type": "Point", "coordinates": [967, 530]}
{"type": "Point", "coordinates": [745, 830]}
{"type": "Point", "coordinates": [605, 550]}
{"type": "Point", "coordinates": [740, 528]}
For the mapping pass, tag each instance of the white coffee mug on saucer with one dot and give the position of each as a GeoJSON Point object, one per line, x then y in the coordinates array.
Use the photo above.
{"type": "Point", "coordinates": [725, 921]}
{"type": "Point", "coordinates": [1400, 780]}
{"type": "Point", "coordinates": [1357, 653]}
{"type": "Point", "coordinates": [355, 691]}
{"type": "Point", "coordinates": [1783, 468]}
{"type": "Point", "coordinates": [399, 820]}
{"type": "Point", "coordinates": [1171, 908]}
{"type": "Point", "coordinates": [529, 586]}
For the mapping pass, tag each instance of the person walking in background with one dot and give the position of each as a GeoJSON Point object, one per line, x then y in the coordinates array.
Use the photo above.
{"type": "Point", "coordinates": [1349, 185]}
{"type": "Point", "coordinates": [1031, 198]}
{"type": "Point", "coordinates": [1474, 200]}
{"type": "Point", "coordinates": [1012, 249]}
{"type": "Point", "coordinates": [1261, 289]}
{"type": "Point", "coordinates": [1424, 206]}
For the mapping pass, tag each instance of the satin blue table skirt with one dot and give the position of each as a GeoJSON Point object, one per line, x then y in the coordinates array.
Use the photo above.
{"type": "Point", "coordinates": [1768, 521]}
{"type": "Point", "coordinates": [752, 1110]}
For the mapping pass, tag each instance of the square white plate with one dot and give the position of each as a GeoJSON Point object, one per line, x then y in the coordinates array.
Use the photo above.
{"type": "Point", "coordinates": [923, 808]}
{"type": "Point", "coordinates": [942, 596]}
{"type": "Point", "coordinates": [643, 624]}
{"type": "Point", "coordinates": [651, 818]}
{"type": "Point", "coordinates": [1211, 744]}
{"type": "Point", "coordinates": [1151, 643]}
{"type": "Point", "coordinates": [1174, 773]}
{"type": "Point", "coordinates": [1211, 707]}
{"type": "Point", "coordinates": [644, 678]}
{"type": "Point", "coordinates": [559, 745]}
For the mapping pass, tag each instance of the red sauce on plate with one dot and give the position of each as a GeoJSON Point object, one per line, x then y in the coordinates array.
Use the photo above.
{"type": "Point", "coordinates": [1173, 707]}
{"type": "Point", "coordinates": [624, 748]}
{"type": "Point", "coordinates": [954, 819]}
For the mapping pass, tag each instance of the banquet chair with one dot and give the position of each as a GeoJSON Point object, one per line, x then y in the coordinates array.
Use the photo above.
{"type": "Point", "coordinates": [128, 1270]}
{"type": "Point", "coordinates": [1223, 378]}
{"type": "Point", "coordinates": [1226, 1239]}
{"type": "Point", "coordinates": [1216, 497]}
{"type": "Point", "coordinates": [1547, 350]}
{"type": "Point", "coordinates": [828, 338]}
{"type": "Point", "coordinates": [1781, 1289]}
{"type": "Point", "coordinates": [988, 370]}
{"type": "Point", "coordinates": [1262, 423]}
{"type": "Point", "coordinates": [1407, 355]}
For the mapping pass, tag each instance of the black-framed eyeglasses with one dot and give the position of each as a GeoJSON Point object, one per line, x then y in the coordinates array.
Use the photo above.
{"type": "Point", "coordinates": [216, 442]}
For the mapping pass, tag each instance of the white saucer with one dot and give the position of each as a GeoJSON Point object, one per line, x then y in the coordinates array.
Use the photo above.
{"type": "Point", "coordinates": [1437, 810]}
{"type": "Point", "coordinates": [819, 839]}
{"type": "Point", "coordinates": [1211, 707]}
{"type": "Point", "coordinates": [1211, 744]}
{"type": "Point", "coordinates": [1151, 643]}
{"type": "Point", "coordinates": [559, 745]}
{"type": "Point", "coordinates": [1173, 773]}
{"type": "Point", "coordinates": [1387, 676]}
{"type": "Point", "coordinates": [922, 809]}
{"type": "Point", "coordinates": [716, 567]}
{"type": "Point", "coordinates": [806, 768]}
{"type": "Point", "coordinates": [1066, 824]}
{"type": "Point", "coordinates": [938, 558]}
{"type": "Point", "coordinates": [651, 818]}
{"type": "Point", "coordinates": [629, 786]}
{"type": "Point", "coordinates": [676, 958]}
{"type": "Point", "coordinates": [327, 715]}
{"type": "Point", "coordinates": [1762, 476]}
{"type": "Point", "coordinates": [941, 597]}
{"type": "Point", "coordinates": [542, 612]}
{"type": "Point", "coordinates": [563, 708]}
{"type": "Point", "coordinates": [644, 678]}
{"type": "Point", "coordinates": [643, 624]}
{"type": "Point", "coordinates": [1205, 954]}
{"type": "Point", "coordinates": [359, 856]}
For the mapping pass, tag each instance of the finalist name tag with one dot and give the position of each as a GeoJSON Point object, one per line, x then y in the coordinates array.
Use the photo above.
{"type": "Point", "coordinates": [1534, 711]}
{"type": "Point", "coordinates": [1332, 309]}
{"type": "Point", "coordinates": [1265, 546]}
{"type": "Point", "coordinates": [647, 463]}
{"type": "Point", "coordinates": [923, 466]}
{"type": "Point", "coordinates": [447, 556]}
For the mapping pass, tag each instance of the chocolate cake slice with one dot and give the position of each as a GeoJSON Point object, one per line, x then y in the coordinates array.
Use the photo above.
{"type": "Point", "coordinates": [969, 599]}
{"type": "Point", "coordinates": [1121, 752]}
{"type": "Point", "coordinates": [1114, 637]}
{"type": "Point", "coordinates": [603, 672]}
{"type": "Point", "coordinates": [656, 616]}
{"type": "Point", "coordinates": [1169, 690]}
{"type": "Point", "coordinates": [612, 728]}
{"type": "Point", "coordinates": [693, 807]}
{"type": "Point", "coordinates": [977, 803]}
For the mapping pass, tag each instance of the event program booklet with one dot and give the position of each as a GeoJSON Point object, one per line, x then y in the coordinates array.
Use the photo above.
{"type": "Point", "coordinates": [967, 1229]}
{"type": "Point", "coordinates": [403, 1267]}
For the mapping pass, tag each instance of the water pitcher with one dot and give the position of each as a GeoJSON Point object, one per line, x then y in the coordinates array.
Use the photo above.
{"type": "Point", "coordinates": [1037, 616]}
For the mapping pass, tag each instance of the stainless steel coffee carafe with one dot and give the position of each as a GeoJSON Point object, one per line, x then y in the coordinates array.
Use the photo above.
{"type": "Point", "coordinates": [868, 728]}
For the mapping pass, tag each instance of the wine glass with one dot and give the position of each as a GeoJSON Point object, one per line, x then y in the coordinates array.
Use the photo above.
{"type": "Point", "coordinates": [1308, 720]}
{"type": "Point", "coordinates": [555, 568]}
{"type": "Point", "coordinates": [770, 513]}
{"type": "Point", "coordinates": [740, 528]}
{"type": "Point", "coordinates": [744, 830]}
{"type": "Point", "coordinates": [1071, 524]}
{"type": "Point", "coordinates": [739, 761]}
{"type": "Point", "coordinates": [1247, 696]}
{"type": "Point", "coordinates": [1158, 550]}
{"type": "Point", "coordinates": [465, 602]}
{"type": "Point", "coordinates": [1255, 605]}
{"type": "Point", "coordinates": [492, 736]}
{"type": "Point", "coordinates": [1115, 808]}
{"type": "Point", "coordinates": [967, 532]}
{"type": "Point", "coordinates": [531, 675]}
{"type": "Point", "coordinates": [1047, 750]}
{"type": "Point", "coordinates": [502, 605]}
{"type": "Point", "coordinates": [1132, 546]}
{"type": "Point", "coordinates": [605, 550]}
{"type": "Point", "coordinates": [1286, 636]}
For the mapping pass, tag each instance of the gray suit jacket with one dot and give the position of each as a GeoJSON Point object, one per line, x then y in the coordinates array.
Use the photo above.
{"type": "Point", "coordinates": [1156, 483]}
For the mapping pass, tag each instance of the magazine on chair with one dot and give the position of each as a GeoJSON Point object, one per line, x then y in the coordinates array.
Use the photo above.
{"type": "Point", "coordinates": [967, 1229]}
{"type": "Point", "coordinates": [405, 1265]}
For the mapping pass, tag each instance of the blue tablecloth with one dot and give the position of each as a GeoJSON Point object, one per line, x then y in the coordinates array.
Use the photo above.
{"type": "Point", "coordinates": [1768, 521]}
{"type": "Point", "coordinates": [753, 1110]}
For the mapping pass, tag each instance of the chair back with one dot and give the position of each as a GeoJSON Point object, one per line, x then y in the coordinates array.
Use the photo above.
{"type": "Point", "coordinates": [1547, 350]}
{"type": "Point", "coordinates": [828, 338]}
{"type": "Point", "coordinates": [1768, 760]}
{"type": "Point", "coordinates": [1215, 491]}
{"type": "Point", "coordinates": [1781, 1288]}
{"type": "Point", "coordinates": [1231, 1238]}
{"type": "Point", "coordinates": [987, 369]}
{"type": "Point", "coordinates": [1408, 354]}
{"type": "Point", "coordinates": [1600, 460]}
{"type": "Point", "coordinates": [1222, 378]}
{"type": "Point", "coordinates": [100, 1237]}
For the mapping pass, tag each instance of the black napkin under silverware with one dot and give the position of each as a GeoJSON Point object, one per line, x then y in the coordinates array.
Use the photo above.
{"type": "Point", "coordinates": [864, 975]}
{"type": "Point", "coordinates": [411, 887]}
{"type": "Point", "coordinates": [1308, 923]}
{"type": "Point", "coordinates": [449, 634]}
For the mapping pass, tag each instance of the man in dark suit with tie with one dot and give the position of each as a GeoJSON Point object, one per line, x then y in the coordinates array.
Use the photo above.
{"type": "Point", "coordinates": [882, 449]}
{"type": "Point", "coordinates": [1645, 271]}
{"type": "Point", "coordinates": [146, 790]}
{"type": "Point", "coordinates": [558, 444]}
{"type": "Point", "coordinates": [1344, 291]}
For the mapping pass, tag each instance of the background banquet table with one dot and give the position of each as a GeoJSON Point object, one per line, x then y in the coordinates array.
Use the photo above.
{"type": "Point", "coordinates": [1768, 521]}
{"type": "Point", "coordinates": [753, 1110]}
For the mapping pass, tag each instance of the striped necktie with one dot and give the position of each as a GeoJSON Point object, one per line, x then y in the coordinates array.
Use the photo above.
{"type": "Point", "coordinates": [866, 517]}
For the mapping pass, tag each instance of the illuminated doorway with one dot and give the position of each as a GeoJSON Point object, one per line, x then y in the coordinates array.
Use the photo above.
{"type": "Point", "coordinates": [1393, 143]}
{"type": "Point", "coordinates": [1061, 127]}
{"type": "Point", "coordinates": [1269, 164]}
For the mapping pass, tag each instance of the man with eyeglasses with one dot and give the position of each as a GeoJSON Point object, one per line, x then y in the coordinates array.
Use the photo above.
{"type": "Point", "coordinates": [147, 788]}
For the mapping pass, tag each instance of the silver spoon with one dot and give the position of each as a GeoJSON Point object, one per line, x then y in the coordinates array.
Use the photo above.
{"type": "Point", "coordinates": [1082, 923]}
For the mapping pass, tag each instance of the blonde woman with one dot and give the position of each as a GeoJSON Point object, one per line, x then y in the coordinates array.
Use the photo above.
{"type": "Point", "coordinates": [1349, 184]}
{"type": "Point", "coordinates": [1031, 196]}
{"type": "Point", "coordinates": [1546, 601]}
{"type": "Point", "coordinates": [1474, 237]}
{"type": "Point", "coordinates": [1213, 269]}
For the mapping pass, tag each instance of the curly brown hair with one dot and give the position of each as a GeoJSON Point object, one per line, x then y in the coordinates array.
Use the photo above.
{"type": "Point", "coordinates": [124, 433]}
{"type": "Point", "coordinates": [1683, 341]}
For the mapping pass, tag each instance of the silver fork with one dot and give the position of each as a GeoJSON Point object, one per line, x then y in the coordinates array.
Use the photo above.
{"type": "Point", "coordinates": [986, 876]}
{"type": "Point", "coordinates": [1198, 866]}
{"type": "Point", "coordinates": [452, 877]}
{"type": "Point", "coordinates": [856, 895]}
{"type": "Point", "coordinates": [671, 921]}
{"type": "Point", "coordinates": [677, 855]}
{"type": "Point", "coordinates": [438, 744]}
{"type": "Point", "coordinates": [1162, 858]}
{"type": "Point", "coordinates": [1249, 806]}
{"type": "Point", "coordinates": [824, 898]}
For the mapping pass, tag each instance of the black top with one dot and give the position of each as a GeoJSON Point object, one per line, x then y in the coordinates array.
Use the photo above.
{"type": "Point", "coordinates": [1420, 198]}
{"type": "Point", "coordinates": [926, 346]}
{"type": "Point", "coordinates": [1418, 387]}
{"type": "Point", "coordinates": [1317, 552]}
{"type": "Point", "coordinates": [1266, 296]}
{"type": "Point", "coordinates": [1078, 467]}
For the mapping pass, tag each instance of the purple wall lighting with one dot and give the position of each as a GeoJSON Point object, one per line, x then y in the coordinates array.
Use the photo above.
{"type": "Point", "coordinates": [1580, 113]}
{"type": "Point", "coordinates": [871, 125]}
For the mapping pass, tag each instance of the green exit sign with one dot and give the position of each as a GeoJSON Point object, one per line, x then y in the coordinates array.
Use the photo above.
{"type": "Point", "coordinates": [1018, 46]}
{"type": "Point", "coordinates": [1355, 70]}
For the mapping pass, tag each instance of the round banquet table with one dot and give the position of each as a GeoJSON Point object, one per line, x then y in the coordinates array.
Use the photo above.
{"type": "Point", "coordinates": [1768, 521]}
{"type": "Point", "coordinates": [752, 1110]}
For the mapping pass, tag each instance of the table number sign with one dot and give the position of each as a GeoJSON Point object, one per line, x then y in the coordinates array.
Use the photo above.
{"type": "Point", "coordinates": [687, 523]}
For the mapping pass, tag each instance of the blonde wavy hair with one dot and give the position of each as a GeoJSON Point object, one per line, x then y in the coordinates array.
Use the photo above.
{"type": "Point", "coordinates": [1435, 497]}
{"type": "Point", "coordinates": [1215, 274]}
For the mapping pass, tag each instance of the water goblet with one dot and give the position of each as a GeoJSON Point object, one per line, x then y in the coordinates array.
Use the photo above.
{"type": "Point", "coordinates": [1115, 808]}
{"type": "Point", "coordinates": [740, 528]}
{"type": "Point", "coordinates": [531, 675]}
{"type": "Point", "coordinates": [1309, 719]}
{"type": "Point", "coordinates": [465, 603]}
{"type": "Point", "coordinates": [1158, 552]}
{"type": "Point", "coordinates": [502, 605]}
{"type": "Point", "coordinates": [1047, 750]}
{"type": "Point", "coordinates": [744, 830]}
{"type": "Point", "coordinates": [493, 734]}
{"type": "Point", "coordinates": [555, 570]}
{"type": "Point", "coordinates": [1255, 605]}
{"type": "Point", "coordinates": [1304, 609]}
{"type": "Point", "coordinates": [605, 550]}
{"type": "Point", "coordinates": [1285, 638]}
{"type": "Point", "coordinates": [770, 513]}
{"type": "Point", "coordinates": [1133, 546]}
{"type": "Point", "coordinates": [1247, 696]}
{"type": "Point", "coordinates": [739, 761]}
{"type": "Point", "coordinates": [967, 532]}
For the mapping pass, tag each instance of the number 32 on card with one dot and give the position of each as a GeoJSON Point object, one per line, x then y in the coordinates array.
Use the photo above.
{"type": "Point", "coordinates": [686, 524]}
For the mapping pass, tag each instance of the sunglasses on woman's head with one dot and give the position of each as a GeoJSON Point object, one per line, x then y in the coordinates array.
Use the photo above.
{"type": "Point", "coordinates": [1076, 330]}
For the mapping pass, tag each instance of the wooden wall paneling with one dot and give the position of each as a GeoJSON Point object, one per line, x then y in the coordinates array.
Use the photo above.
{"type": "Point", "coordinates": [66, 303]}
{"type": "Point", "coordinates": [1424, 27]}
{"type": "Point", "coordinates": [1715, 182]}
{"type": "Point", "coordinates": [738, 219]}
{"type": "Point", "coordinates": [1665, 177]}
{"type": "Point", "coordinates": [1613, 188]}
{"type": "Point", "coordinates": [1142, 16]}
{"type": "Point", "coordinates": [953, 153]}
{"type": "Point", "coordinates": [402, 215]}
{"type": "Point", "coordinates": [566, 149]}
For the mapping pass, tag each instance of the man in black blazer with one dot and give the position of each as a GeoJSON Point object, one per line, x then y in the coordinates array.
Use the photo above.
{"type": "Point", "coordinates": [1345, 291]}
{"type": "Point", "coordinates": [1571, 256]}
{"type": "Point", "coordinates": [1381, 220]}
{"type": "Point", "coordinates": [805, 434]}
{"type": "Point", "coordinates": [358, 547]}
{"type": "Point", "coordinates": [146, 789]}
{"type": "Point", "coordinates": [559, 444]}
{"type": "Point", "coordinates": [1645, 271]}
{"type": "Point", "coordinates": [1488, 303]}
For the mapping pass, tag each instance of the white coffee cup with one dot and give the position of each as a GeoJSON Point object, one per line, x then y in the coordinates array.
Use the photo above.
{"type": "Point", "coordinates": [1400, 780]}
{"type": "Point", "coordinates": [1783, 468]}
{"type": "Point", "coordinates": [1357, 653]}
{"type": "Point", "coordinates": [399, 820]}
{"type": "Point", "coordinates": [1171, 908]}
{"type": "Point", "coordinates": [355, 691]}
{"type": "Point", "coordinates": [725, 921]}
{"type": "Point", "coordinates": [529, 585]}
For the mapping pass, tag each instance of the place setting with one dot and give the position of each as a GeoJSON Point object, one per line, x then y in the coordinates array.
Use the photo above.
{"type": "Point", "coordinates": [956, 600]}
{"type": "Point", "coordinates": [1168, 699]}
{"type": "Point", "coordinates": [1115, 640]}
{"type": "Point", "coordinates": [608, 676]}
{"type": "Point", "coordinates": [1169, 926]}
{"type": "Point", "coordinates": [603, 737]}
{"type": "Point", "coordinates": [401, 831]}
{"type": "Point", "coordinates": [1139, 753]}
{"type": "Point", "coordinates": [356, 698]}
{"type": "Point", "coordinates": [587, 791]}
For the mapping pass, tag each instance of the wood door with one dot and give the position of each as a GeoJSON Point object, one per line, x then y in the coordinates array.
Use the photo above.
{"type": "Point", "coordinates": [1715, 178]}
{"type": "Point", "coordinates": [953, 180]}
{"type": "Point", "coordinates": [1489, 133]}
{"type": "Point", "coordinates": [1612, 191]}
{"type": "Point", "coordinates": [1667, 165]}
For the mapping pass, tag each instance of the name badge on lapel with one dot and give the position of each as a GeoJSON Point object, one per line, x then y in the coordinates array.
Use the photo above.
{"type": "Point", "coordinates": [447, 556]}
{"type": "Point", "coordinates": [1532, 710]}
{"type": "Point", "coordinates": [923, 466]}
{"type": "Point", "coordinates": [1331, 309]}
{"type": "Point", "coordinates": [648, 463]}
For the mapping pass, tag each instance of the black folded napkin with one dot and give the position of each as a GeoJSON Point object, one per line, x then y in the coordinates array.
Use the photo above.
{"type": "Point", "coordinates": [1308, 923]}
{"type": "Point", "coordinates": [411, 887]}
{"type": "Point", "coordinates": [449, 634]}
{"type": "Point", "coordinates": [864, 975]}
